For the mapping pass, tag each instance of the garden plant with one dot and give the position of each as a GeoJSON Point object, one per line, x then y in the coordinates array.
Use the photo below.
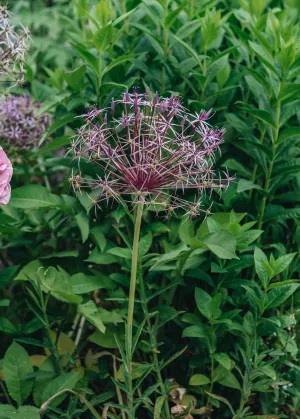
{"type": "Point", "coordinates": [149, 209]}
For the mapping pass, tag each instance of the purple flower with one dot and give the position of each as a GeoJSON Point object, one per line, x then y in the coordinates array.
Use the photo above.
{"type": "Point", "coordinates": [151, 154]}
{"type": "Point", "coordinates": [20, 122]}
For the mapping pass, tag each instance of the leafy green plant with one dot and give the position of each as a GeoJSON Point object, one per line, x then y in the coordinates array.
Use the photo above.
{"type": "Point", "coordinates": [216, 308]}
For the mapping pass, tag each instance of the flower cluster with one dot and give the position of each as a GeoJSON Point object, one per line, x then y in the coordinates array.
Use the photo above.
{"type": "Point", "coordinates": [20, 122]}
{"type": "Point", "coordinates": [13, 48]}
{"type": "Point", "coordinates": [149, 151]}
{"type": "Point", "coordinates": [6, 172]}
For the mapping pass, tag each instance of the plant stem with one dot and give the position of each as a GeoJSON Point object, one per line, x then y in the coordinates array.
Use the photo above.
{"type": "Point", "coordinates": [153, 342]}
{"type": "Point", "coordinates": [270, 169]}
{"type": "Point", "coordinates": [255, 167]}
{"type": "Point", "coordinates": [99, 77]}
{"type": "Point", "coordinates": [165, 48]}
{"type": "Point", "coordinates": [135, 254]}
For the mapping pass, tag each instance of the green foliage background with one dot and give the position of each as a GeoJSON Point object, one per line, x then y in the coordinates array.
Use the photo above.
{"type": "Point", "coordinates": [221, 294]}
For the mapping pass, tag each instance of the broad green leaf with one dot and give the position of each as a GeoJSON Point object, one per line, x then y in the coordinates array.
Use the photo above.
{"type": "Point", "coordinates": [103, 37]}
{"type": "Point", "coordinates": [107, 339]}
{"type": "Point", "coordinates": [269, 371]}
{"type": "Point", "coordinates": [99, 237]}
{"type": "Point", "coordinates": [62, 382]}
{"type": "Point", "coordinates": [289, 110]}
{"type": "Point", "coordinates": [246, 185]}
{"type": "Point", "coordinates": [186, 231]}
{"type": "Point", "coordinates": [277, 296]}
{"type": "Point", "coordinates": [288, 133]}
{"type": "Point", "coordinates": [261, 266]}
{"type": "Point", "coordinates": [223, 359]}
{"type": "Point", "coordinates": [6, 411]}
{"type": "Point", "coordinates": [82, 283]}
{"type": "Point", "coordinates": [289, 90]}
{"type": "Point", "coordinates": [283, 263]}
{"type": "Point", "coordinates": [204, 302]}
{"type": "Point", "coordinates": [263, 56]}
{"type": "Point", "coordinates": [199, 380]}
{"type": "Point", "coordinates": [57, 281]}
{"type": "Point", "coordinates": [188, 29]}
{"type": "Point", "coordinates": [117, 61]}
{"type": "Point", "coordinates": [75, 77]}
{"type": "Point", "coordinates": [16, 366]}
{"type": "Point", "coordinates": [120, 252]}
{"type": "Point", "coordinates": [229, 380]}
{"type": "Point", "coordinates": [88, 57]}
{"type": "Point", "coordinates": [145, 244]}
{"type": "Point", "coordinates": [222, 244]}
{"type": "Point", "coordinates": [261, 115]}
{"type": "Point", "coordinates": [34, 196]}
{"type": "Point", "coordinates": [27, 412]}
{"type": "Point", "coordinates": [247, 237]}
{"type": "Point", "coordinates": [221, 218]}
{"type": "Point", "coordinates": [7, 327]}
{"type": "Point", "coordinates": [31, 271]}
{"type": "Point", "coordinates": [172, 254]}
{"type": "Point", "coordinates": [192, 52]}
{"type": "Point", "coordinates": [260, 79]}
{"type": "Point", "coordinates": [91, 312]}
{"type": "Point", "coordinates": [101, 258]}
{"type": "Point", "coordinates": [83, 224]}
{"type": "Point", "coordinates": [195, 331]}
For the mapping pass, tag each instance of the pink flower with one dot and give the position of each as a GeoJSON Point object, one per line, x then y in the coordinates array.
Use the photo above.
{"type": "Point", "coordinates": [6, 172]}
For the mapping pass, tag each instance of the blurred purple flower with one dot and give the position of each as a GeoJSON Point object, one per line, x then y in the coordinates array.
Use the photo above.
{"type": "Point", "coordinates": [20, 122]}
{"type": "Point", "coordinates": [151, 154]}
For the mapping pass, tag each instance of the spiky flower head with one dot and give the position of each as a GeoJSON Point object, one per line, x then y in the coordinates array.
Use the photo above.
{"type": "Point", "coordinates": [13, 48]}
{"type": "Point", "coordinates": [21, 124]}
{"type": "Point", "coordinates": [149, 151]}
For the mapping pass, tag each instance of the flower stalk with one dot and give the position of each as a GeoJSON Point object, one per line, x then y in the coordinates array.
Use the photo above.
{"type": "Point", "coordinates": [133, 278]}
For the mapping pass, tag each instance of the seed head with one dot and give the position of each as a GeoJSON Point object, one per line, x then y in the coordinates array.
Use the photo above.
{"type": "Point", "coordinates": [152, 153]}
{"type": "Point", "coordinates": [13, 48]}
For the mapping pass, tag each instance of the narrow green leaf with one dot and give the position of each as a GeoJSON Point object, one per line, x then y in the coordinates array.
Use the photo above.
{"type": "Point", "coordinates": [55, 125]}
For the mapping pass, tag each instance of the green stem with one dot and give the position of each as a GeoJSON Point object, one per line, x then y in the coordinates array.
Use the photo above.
{"type": "Point", "coordinates": [44, 303]}
{"type": "Point", "coordinates": [212, 351]}
{"type": "Point", "coordinates": [166, 49]}
{"type": "Point", "coordinates": [270, 169]}
{"type": "Point", "coordinates": [255, 167]}
{"type": "Point", "coordinates": [43, 170]}
{"type": "Point", "coordinates": [99, 78]}
{"type": "Point", "coordinates": [153, 342]}
{"type": "Point", "coordinates": [135, 254]}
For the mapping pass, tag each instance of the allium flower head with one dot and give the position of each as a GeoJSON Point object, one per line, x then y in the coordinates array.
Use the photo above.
{"type": "Point", "coordinates": [149, 151]}
{"type": "Point", "coordinates": [13, 48]}
{"type": "Point", "coordinates": [20, 123]}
